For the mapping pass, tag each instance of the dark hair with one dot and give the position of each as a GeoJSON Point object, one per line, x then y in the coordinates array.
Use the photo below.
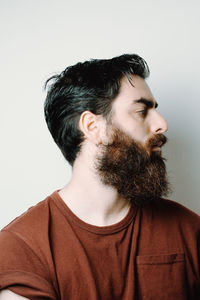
{"type": "Point", "coordinates": [91, 85]}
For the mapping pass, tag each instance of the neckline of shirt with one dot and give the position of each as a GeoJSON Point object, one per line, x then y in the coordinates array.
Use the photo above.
{"type": "Point", "coordinates": [110, 229]}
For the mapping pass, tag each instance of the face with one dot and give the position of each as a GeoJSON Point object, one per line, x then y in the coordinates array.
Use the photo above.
{"type": "Point", "coordinates": [131, 161]}
{"type": "Point", "coordinates": [134, 111]}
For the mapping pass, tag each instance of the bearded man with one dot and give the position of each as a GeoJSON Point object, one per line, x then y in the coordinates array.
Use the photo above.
{"type": "Point", "coordinates": [108, 234]}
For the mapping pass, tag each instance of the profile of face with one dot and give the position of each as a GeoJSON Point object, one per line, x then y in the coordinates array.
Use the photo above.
{"type": "Point", "coordinates": [131, 160]}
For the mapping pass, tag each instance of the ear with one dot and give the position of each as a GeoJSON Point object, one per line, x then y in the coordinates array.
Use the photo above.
{"type": "Point", "coordinates": [91, 126]}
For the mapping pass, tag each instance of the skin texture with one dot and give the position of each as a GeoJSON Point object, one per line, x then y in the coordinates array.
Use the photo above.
{"type": "Point", "coordinates": [134, 118]}
{"type": "Point", "coordinates": [86, 195]}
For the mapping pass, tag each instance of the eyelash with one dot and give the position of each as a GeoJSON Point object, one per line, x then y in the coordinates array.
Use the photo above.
{"type": "Point", "coordinates": [143, 112]}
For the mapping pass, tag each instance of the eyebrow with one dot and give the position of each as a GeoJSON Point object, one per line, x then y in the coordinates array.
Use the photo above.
{"type": "Point", "coordinates": [148, 103]}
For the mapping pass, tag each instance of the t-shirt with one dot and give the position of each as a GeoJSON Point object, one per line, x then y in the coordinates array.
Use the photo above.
{"type": "Point", "coordinates": [152, 254]}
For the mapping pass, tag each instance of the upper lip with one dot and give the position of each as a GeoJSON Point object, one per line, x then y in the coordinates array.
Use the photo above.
{"type": "Point", "coordinates": [159, 144]}
{"type": "Point", "coordinates": [158, 141]}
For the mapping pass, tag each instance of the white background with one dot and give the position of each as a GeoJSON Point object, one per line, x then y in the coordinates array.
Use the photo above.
{"type": "Point", "coordinates": [41, 37]}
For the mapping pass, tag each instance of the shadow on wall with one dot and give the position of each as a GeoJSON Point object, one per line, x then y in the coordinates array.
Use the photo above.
{"type": "Point", "coordinates": [183, 163]}
{"type": "Point", "coordinates": [178, 98]}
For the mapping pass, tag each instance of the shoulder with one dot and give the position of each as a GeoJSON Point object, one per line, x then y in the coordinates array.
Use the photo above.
{"type": "Point", "coordinates": [33, 217]}
{"type": "Point", "coordinates": [171, 212]}
{"type": "Point", "coordinates": [32, 227]}
{"type": "Point", "coordinates": [172, 205]}
{"type": "Point", "coordinates": [178, 209]}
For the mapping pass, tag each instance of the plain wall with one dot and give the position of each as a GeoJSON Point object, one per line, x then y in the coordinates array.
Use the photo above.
{"type": "Point", "coordinates": [42, 37]}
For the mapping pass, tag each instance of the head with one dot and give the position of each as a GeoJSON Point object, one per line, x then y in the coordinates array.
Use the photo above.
{"type": "Point", "coordinates": [108, 104]}
{"type": "Point", "coordinates": [90, 86]}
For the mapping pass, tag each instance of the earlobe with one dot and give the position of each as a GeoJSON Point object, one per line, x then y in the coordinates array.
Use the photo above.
{"type": "Point", "coordinates": [88, 124]}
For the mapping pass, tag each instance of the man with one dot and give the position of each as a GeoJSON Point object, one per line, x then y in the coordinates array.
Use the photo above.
{"type": "Point", "coordinates": [108, 234]}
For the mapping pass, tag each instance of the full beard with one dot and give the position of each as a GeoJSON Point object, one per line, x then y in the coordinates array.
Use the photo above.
{"type": "Point", "coordinates": [135, 171]}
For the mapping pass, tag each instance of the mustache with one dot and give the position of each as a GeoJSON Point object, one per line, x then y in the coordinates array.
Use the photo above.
{"type": "Point", "coordinates": [158, 140]}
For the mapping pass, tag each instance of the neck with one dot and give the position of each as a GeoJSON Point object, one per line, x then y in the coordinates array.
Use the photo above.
{"type": "Point", "coordinates": [91, 200]}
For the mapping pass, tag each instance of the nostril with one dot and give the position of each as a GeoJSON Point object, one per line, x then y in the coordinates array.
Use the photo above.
{"type": "Point", "coordinates": [159, 130]}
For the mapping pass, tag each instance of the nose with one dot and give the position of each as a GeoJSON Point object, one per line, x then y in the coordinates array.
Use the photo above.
{"type": "Point", "coordinates": [158, 123]}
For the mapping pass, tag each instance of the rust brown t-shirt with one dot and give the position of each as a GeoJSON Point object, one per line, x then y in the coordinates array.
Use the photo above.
{"type": "Point", "coordinates": [153, 253]}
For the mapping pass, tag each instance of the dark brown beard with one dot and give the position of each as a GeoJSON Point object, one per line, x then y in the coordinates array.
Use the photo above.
{"type": "Point", "coordinates": [136, 172]}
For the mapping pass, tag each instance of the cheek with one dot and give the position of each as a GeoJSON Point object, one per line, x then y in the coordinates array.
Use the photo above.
{"type": "Point", "coordinates": [139, 133]}
{"type": "Point", "coordinates": [135, 128]}
{"type": "Point", "coordinates": [142, 138]}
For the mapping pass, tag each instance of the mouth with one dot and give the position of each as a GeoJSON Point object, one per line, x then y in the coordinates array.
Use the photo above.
{"type": "Point", "coordinates": [158, 146]}
{"type": "Point", "coordinates": [157, 142]}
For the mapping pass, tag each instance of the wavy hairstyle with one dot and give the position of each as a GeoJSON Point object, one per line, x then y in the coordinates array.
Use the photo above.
{"type": "Point", "coordinates": [91, 85]}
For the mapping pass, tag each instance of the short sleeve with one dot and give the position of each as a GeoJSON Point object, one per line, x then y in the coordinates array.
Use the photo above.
{"type": "Point", "coordinates": [21, 270]}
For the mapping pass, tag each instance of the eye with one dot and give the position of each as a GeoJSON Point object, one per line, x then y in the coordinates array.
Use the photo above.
{"type": "Point", "coordinates": [143, 112]}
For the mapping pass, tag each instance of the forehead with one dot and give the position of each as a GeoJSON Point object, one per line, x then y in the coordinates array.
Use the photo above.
{"type": "Point", "coordinates": [130, 92]}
